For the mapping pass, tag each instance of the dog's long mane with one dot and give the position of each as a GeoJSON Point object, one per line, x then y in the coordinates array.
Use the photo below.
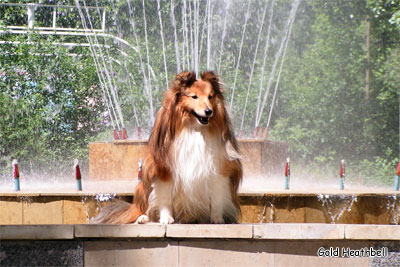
{"type": "Point", "coordinates": [171, 119]}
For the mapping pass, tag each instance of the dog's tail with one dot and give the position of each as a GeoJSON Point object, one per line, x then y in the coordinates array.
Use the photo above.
{"type": "Point", "coordinates": [121, 212]}
{"type": "Point", "coordinates": [118, 212]}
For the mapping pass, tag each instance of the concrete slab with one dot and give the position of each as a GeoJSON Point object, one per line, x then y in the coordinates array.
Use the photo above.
{"type": "Point", "coordinates": [116, 160]}
{"type": "Point", "coordinates": [120, 231]}
{"type": "Point", "coordinates": [251, 209]}
{"type": "Point", "coordinates": [11, 211]}
{"type": "Point", "coordinates": [131, 253]}
{"type": "Point", "coordinates": [305, 253]}
{"type": "Point", "coordinates": [74, 212]}
{"type": "Point", "coordinates": [36, 232]}
{"type": "Point", "coordinates": [226, 253]}
{"type": "Point", "coordinates": [298, 231]}
{"type": "Point", "coordinates": [372, 232]}
{"type": "Point", "coordinates": [314, 212]}
{"type": "Point", "coordinates": [119, 159]}
{"type": "Point", "coordinates": [210, 230]}
{"type": "Point", "coordinates": [43, 210]}
{"type": "Point", "coordinates": [285, 210]}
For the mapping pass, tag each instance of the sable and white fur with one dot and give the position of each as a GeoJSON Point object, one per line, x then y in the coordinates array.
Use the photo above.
{"type": "Point", "coordinates": [192, 171]}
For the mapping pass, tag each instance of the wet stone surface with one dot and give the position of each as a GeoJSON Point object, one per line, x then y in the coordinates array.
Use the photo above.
{"type": "Point", "coordinates": [41, 253]}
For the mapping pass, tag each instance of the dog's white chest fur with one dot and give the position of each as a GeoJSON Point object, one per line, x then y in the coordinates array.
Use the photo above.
{"type": "Point", "coordinates": [199, 192]}
{"type": "Point", "coordinates": [197, 156]}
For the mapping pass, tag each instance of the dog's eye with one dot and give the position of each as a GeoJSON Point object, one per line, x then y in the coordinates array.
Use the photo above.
{"type": "Point", "coordinates": [210, 97]}
{"type": "Point", "coordinates": [194, 96]}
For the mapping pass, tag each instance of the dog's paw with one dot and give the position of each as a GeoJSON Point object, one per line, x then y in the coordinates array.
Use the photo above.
{"type": "Point", "coordinates": [166, 220]}
{"type": "Point", "coordinates": [217, 219]}
{"type": "Point", "coordinates": [143, 219]}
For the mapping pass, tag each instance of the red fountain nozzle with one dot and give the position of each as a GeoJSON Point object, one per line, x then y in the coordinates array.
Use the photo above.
{"type": "Point", "coordinates": [78, 175]}
{"type": "Point", "coordinates": [140, 170]}
{"type": "Point", "coordinates": [116, 137]}
{"type": "Point", "coordinates": [255, 132]}
{"type": "Point", "coordinates": [139, 132]}
{"type": "Point", "coordinates": [398, 169]}
{"type": "Point", "coordinates": [15, 169]}
{"type": "Point", "coordinates": [342, 169]}
{"type": "Point", "coordinates": [260, 132]}
{"type": "Point", "coordinates": [265, 134]}
{"type": "Point", "coordinates": [287, 167]}
{"type": "Point", "coordinates": [124, 134]}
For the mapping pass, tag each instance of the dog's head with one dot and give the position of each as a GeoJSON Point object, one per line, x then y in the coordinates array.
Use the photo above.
{"type": "Point", "coordinates": [199, 98]}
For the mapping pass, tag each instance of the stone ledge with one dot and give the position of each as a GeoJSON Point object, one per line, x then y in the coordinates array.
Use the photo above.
{"type": "Point", "coordinates": [36, 232]}
{"type": "Point", "coordinates": [372, 232]}
{"type": "Point", "coordinates": [210, 230]}
{"type": "Point", "coordinates": [282, 231]}
{"type": "Point", "coordinates": [120, 230]}
{"type": "Point", "coordinates": [299, 231]}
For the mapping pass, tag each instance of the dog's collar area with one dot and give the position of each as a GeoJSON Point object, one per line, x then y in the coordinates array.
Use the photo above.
{"type": "Point", "coordinates": [201, 119]}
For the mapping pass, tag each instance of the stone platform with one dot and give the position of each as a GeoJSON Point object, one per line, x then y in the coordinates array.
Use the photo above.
{"type": "Point", "coordinates": [118, 160]}
{"type": "Point", "coordinates": [346, 207]}
{"type": "Point", "coordinates": [196, 245]}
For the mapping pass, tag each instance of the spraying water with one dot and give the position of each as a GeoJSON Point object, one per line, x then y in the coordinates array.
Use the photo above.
{"type": "Point", "coordinates": [282, 48]}
{"type": "Point", "coordinates": [240, 52]}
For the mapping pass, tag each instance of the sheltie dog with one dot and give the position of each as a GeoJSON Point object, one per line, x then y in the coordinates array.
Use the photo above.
{"type": "Point", "coordinates": [192, 170]}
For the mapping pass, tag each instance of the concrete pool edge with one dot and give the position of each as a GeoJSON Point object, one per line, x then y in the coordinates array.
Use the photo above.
{"type": "Point", "coordinates": [271, 231]}
{"type": "Point", "coordinates": [198, 245]}
{"type": "Point", "coordinates": [271, 207]}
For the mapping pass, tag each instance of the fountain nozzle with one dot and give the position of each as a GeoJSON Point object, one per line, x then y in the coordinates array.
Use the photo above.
{"type": "Point", "coordinates": [78, 175]}
{"type": "Point", "coordinates": [398, 169]}
{"type": "Point", "coordinates": [124, 134]}
{"type": "Point", "coordinates": [255, 132]}
{"type": "Point", "coordinates": [342, 174]}
{"type": "Point", "coordinates": [396, 179]}
{"type": "Point", "coordinates": [16, 174]}
{"type": "Point", "coordinates": [287, 173]}
{"type": "Point", "coordinates": [140, 170]}
{"type": "Point", "coordinates": [116, 137]}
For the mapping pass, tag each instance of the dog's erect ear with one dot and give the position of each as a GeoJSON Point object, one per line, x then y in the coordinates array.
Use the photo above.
{"type": "Point", "coordinates": [186, 78]}
{"type": "Point", "coordinates": [209, 76]}
{"type": "Point", "coordinates": [212, 78]}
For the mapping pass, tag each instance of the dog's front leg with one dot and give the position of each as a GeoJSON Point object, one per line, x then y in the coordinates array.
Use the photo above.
{"type": "Point", "coordinates": [220, 198]}
{"type": "Point", "coordinates": [163, 197]}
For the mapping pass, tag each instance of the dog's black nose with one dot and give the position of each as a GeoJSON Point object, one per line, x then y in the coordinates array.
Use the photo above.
{"type": "Point", "coordinates": [208, 112]}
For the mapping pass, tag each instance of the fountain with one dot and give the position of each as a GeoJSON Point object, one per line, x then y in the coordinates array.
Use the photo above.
{"type": "Point", "coordinates": [280, 223]}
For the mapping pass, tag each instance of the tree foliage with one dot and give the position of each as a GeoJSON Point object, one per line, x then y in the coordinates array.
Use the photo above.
{"type": "Point", "coordinates": [326, 107]}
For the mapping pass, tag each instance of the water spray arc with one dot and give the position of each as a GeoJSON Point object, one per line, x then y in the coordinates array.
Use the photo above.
{"type": "Point", "coordinates": [282, 49]}
{"type": "Point", "coordinates": [150, 96]}
{"type": "Point", "coordinates": [199, 39]}
{"type": "Point", "coordinates": [107, 81]}
{"type": "Point", "coordinates": [173, 22]}
{"type": "Point", "coordinates": [163, 42]}
{"type": "Point", "coordinates": [240, 53]}
{"type": "Point", "coordinates": [222, 38]}
{"type": "Point", "coordinates": [253, 65]}
{"type": "Point", "coordinates": [266, 48]}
